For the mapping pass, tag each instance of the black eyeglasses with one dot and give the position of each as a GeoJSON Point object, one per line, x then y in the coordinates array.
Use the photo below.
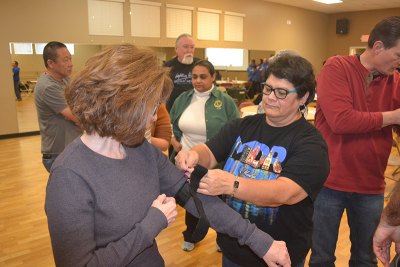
{"type": "Point", "coordinates": [280, 93]}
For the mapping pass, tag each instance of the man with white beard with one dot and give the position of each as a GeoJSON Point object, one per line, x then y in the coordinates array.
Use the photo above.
{"type": "Point", "coordinates": [181, 67]}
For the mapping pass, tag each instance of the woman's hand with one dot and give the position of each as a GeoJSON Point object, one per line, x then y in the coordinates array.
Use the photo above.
{"type": "Point", "coordinates": [176, 145]}
{"type": "Point", "coordinates": [186, 160]}
{"type": "Point", "coordinates": [216, 182]}
{"type": "Point", "coordinates": [166, 205]}
{"type": "Point", "coordinates": [277, 255]}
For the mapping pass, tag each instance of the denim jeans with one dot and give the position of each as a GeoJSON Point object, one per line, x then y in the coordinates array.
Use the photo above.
{"type": "Point", "coordinates": [47, 162]}
{"type": "Point", "coordinates": [16, 90]}
{"type": "Point", "coordinates": [228, 263]}
{"type": "Point", "coordinates": [363, 214]}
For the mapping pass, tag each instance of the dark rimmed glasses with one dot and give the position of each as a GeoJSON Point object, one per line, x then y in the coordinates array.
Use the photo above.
{"type": "Point", "coordinates": [280, 93]}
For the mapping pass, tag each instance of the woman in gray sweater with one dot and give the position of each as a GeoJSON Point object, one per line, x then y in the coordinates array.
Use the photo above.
{"type": "Point", "coordinates": [110, 192]}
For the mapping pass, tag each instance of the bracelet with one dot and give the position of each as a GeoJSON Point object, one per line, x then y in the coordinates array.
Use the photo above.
{"type": "Point", "coordinates": [235, 185]}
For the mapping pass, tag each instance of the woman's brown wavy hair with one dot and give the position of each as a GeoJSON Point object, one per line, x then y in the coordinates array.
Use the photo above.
{"type": "Point", "coordinates": [117, 91]}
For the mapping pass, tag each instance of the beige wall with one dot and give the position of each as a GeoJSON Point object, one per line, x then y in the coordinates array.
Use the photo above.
{"type": "Point", "coordinates": [360, 23]}
{"type": "Point", "coordinates": [265, 28]}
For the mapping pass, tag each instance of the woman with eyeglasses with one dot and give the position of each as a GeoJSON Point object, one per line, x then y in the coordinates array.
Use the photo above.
{"type": "Point", "coordinates": [276, 163]}
{"type": "Point", "coordinates": [110, 192]}
{"type": "Point", "coordinates": [197, 115]}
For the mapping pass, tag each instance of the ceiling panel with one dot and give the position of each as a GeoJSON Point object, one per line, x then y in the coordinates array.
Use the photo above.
{"type": "Point", "coordinates": [346, 6]}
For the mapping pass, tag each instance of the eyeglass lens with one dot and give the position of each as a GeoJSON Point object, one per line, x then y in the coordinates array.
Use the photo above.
{"type": "Point", "coordinates": [279, 92]}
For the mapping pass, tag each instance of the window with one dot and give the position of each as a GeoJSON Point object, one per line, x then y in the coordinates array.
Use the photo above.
{"type": "Point", "coordinates": [145, 18]}
{"type": "Point", "coordinates": [40, 46]}
{"type": "Point", "coordinates": [208, 24]}
{"type": "Point", "coordinates": [228, 58]}
{"type": "Point", "coordinates": [23, 48]}
{"type": "Point", "coordinates": [179, 20]}
{"type": "Point", "coordinates": [233, 26]}
{"type": "Point", "coordinates": [106, 17]}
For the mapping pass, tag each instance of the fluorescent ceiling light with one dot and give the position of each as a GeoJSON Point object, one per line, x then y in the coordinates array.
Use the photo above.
{"type": "Point", "coordinates": [328, 2]}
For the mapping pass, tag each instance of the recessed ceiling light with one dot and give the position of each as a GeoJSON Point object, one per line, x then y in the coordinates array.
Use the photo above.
{"type": "Point", "coordinates": [328, 2]}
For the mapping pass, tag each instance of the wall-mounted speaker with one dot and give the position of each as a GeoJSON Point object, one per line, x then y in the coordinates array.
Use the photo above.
{"type": "Point", "coordinates": [342, 26]}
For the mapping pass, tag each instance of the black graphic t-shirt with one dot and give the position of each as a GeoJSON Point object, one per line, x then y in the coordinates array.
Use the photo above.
{"type": "Point", "coordinates": [181, 75]}
{"type": "Point", "coordinates": [254, 150]}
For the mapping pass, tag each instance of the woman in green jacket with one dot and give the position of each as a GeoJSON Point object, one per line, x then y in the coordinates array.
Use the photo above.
{"type": "Point", "coordinates": [196, 116]}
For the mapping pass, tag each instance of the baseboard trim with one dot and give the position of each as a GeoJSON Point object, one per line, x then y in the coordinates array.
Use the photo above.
{"type": "Point", "coordinates": [15, 135]}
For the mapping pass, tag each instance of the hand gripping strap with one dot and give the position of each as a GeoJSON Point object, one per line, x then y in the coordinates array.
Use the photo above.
{"type": "Point", "coordinates": [190, 191]}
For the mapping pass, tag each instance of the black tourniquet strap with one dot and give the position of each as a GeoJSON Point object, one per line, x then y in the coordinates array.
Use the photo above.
{"type": "Point", "coordinates": [202, 225]}
{"type": "Point", "coordinates": [190, 191]}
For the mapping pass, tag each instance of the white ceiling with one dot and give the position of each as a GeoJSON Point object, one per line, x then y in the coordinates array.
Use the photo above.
{"type": "Point", "coordinates": [346, 6]}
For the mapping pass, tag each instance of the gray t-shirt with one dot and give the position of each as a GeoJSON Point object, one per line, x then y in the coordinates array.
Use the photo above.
{"type": "Point", "coordinates": [99, 209]}
{"type": "Point", "coordinates": [55, 130]}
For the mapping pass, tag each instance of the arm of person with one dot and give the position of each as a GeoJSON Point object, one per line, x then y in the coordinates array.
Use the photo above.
{"type": "Point", "coordinates": [199, 154]}
{"type": "Point", "coordinates": [161, 130]}
{"type": "Point", "coordinates": [54, 98]}
{"type": "Point", "coordinates": [391, 117]}
{"type": "Point", "coordinates": [161, 143]}
{"type": "Point", "coordinates": [224, 219]}
{"type": "Point", "coordinates": [175, 144]}
{"type": "Point", "coordinates": [66, 112]}
{"type": "Point", "coordinates": [303, 173]}
{"type": "Point", "coordinates": [69, 208]}
{"type": "Point", "coordinates": [335, 99]}
{"type": "Point", "coordinates": [270, 193]}
{"type": "Point", "coordinates": [388, 230]}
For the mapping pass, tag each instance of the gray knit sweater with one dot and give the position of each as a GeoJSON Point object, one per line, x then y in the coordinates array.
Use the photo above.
{"type": "Point", "coordinates": [99, 209]}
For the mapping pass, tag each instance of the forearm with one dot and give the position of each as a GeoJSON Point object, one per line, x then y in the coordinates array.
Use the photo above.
{"type": "Point", "coordinates": [225, 220]}
{"type": "Point", "coordinates": [205, 156]}
{"type": "Point", "coordinates": [274, 193]}
{"type": "Point", "coordinates": [390, 118]}
{"type": "Point", "coordinates": [68, 115]}
{"type": "Point", "coordinates": [162, 144]}
{"type": "Point", "coordinates": [391, 212]}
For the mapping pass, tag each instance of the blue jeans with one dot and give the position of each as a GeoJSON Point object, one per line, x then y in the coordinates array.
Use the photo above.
{"type": "Point", "coordinates": [363, 214]}
{"type": "Point", "coordinates": [228, 263]}
{"type": "Point", "coordinates": [16, 90]}
{"type": "Point", "coordinates": [48, 160]}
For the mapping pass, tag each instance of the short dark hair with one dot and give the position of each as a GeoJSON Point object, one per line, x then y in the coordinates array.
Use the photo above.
{"type": "Point", "coordinates": [116, 92]}
{"type": "Point", "coordinates": [295, 69]}
{"type": "Point", "coordinates": [387, 31]}
{"type": "Point", "coordinates": [16, 62]}
{"type": "Point", "coordinates": [50, 51]}
{"type": "Point", "coordinates": [207, 64]}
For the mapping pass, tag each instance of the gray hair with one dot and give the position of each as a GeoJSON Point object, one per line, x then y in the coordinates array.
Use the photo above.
{"type": "Point", "coordinates": [183, 35]}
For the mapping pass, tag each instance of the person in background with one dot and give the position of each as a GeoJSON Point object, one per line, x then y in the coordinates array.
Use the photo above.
{"type": "Point", "coordinates": [218, 75]}
{"type": "Point", "coordinates": [181, 67]}
{"type": "Point", "coordinates": [15, 70]}
{"type": "Point", "coordinates": [358, 103]}
{"type": "Point", "coordinates": [160, 131]}
{"type": "Point", "coordinates": [276, 163]}
{"type": "Point", "coordinates": [388, 230]}
{"type": "Point", "coordinates": [197, 115]}
{"type": "Point", "coordinates": [263, 70]}
{"type": "Point", "coordinates": [253, 76]}
{"type": "Point", "coordinates": [110, 192]}
{"type": "Point", "coordinates": [56, 122]}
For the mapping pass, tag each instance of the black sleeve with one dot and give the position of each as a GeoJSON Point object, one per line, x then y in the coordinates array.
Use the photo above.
{"type": "Point", "coordinates": [308, 165]}
{"type": "Point", "coordinates": [221, 144]}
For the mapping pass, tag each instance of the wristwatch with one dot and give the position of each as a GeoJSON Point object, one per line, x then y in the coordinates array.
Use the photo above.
{"type": "Point", "coordinates": [235, 185]}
